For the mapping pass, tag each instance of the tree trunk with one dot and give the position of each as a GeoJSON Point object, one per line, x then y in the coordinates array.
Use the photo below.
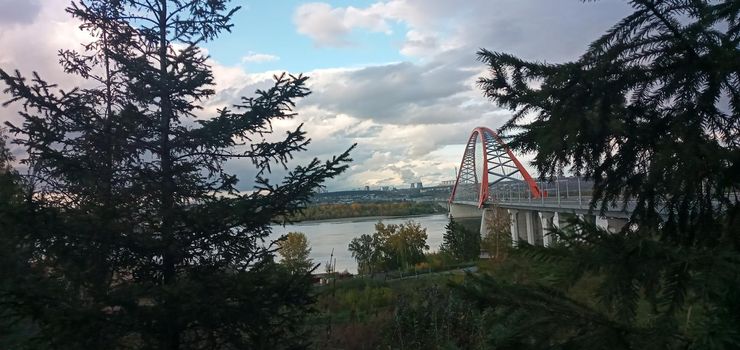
{"type": "Point", "coordinates": [171, 336]}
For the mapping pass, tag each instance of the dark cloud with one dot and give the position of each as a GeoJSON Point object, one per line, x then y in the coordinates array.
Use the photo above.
{"type": "Point", "coordinates": [18, 11]}
{"type": "Point", "coordinates": [546, 30]}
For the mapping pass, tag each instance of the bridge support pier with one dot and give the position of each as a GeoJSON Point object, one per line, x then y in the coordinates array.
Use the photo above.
{"type": "Point", "coordinates": [486, 214]}
{"type": "Point", "coordinates": [462, 211]}
{"type": "Point", "coordinates": [615, 225]}
{"type": "Point", "coordinates": [602, 222]}
{"type": "Point", "coordinates": [529, 221]}
{"type": "Point", "coordinates": [525, 226]}
{"type": "Point", "coordinates": [547, 219]}
{"type": "Point", "coordinates": [514, 226]}
{"type": "Point", "coordinates": [611, 225]}
{"type": "Point", "coordinates": [556, 220]}
{"type": "Point", "coordinates": [533, 225]}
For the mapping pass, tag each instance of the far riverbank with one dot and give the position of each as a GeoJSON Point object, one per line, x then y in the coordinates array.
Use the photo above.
{"type": "Point", "coordinates": [369, 210]}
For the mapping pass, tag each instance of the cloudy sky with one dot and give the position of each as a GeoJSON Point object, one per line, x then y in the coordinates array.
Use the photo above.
{"type": "Point", "coordinates": [397, 77]}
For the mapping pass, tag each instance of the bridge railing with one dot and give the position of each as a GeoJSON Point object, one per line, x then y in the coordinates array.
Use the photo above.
{"type": "Point", "coordinates": [571, 191]}
{"type": "Point", "coordinates": [467, 192]}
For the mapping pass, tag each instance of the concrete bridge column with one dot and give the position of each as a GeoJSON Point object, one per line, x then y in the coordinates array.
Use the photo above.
{"type": "Point", "coordinates": [602, 222]}
{"type": "Point", "coordinates": [530, 227]}
{"type": "Point", "coordinates": [463, 211]}
{"type": "Point", "coordinates": [547, 221]}
{"type": "Point", "coordinates": [486, 213]}
{"type": "Point", "coordinates": [583, 218]}
{"type": "Point", "coordinates": [556, 220]}
{"type": "Point", "coordinates": [616, 224]}
{"type": "Point", "coordinates": [514, 226]}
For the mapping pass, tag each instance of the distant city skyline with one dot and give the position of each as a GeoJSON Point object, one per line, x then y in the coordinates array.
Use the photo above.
{"type": "Point", "coordinates": [396, 77]}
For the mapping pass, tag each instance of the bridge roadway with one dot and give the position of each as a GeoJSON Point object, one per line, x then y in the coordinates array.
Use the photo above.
{"type": "Point", "coordinates": [531, 218]}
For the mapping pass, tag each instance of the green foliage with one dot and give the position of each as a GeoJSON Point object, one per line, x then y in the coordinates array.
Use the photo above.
{"type": "Point", "coordinates": [294, 250]}
{"type": "Point", "coordinates": [411, 314]}
{"type": "Point", "coordinates": [15, 333]}
{"type": "Point", "coordinates": [436, 318]}
{"type": "Point", "coordinates": [497, 239]}
{"type": "Point", "coordinates": [335, 211]}
{"type": "Point", "coordinates": [460, 243]}
{"type": "Point", "coordinates": [129, 233]}
{"type": "Point", "coordinates": [651, 112]}
{"type": "Point", "coordinates": [390, 247]}
{"type": "Point", "coordinates": [366, 251]}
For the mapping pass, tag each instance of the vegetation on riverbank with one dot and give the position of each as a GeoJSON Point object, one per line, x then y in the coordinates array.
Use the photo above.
{"type": "Point", "coordinates": [402, 249]}
{"type": "Point", "coordinates": [126, 229]}
{"type": "Point", "coordinates": [365, 313]}
{"type": "Point", "coordinates": [353, 210]}
{"type": "Point", "coordinates": [434, 311]}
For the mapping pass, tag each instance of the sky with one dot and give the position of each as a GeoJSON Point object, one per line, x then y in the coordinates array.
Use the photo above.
{"type": "Point", "coordinates": [397, 77]}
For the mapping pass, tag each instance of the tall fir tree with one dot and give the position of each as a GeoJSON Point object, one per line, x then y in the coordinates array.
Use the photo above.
{"type": "Point", "coordinates": [140, 238]}
{"type": "Point", "coordinates": [650, 112]}
{"type": "Point", "coordinates": [460, 243]}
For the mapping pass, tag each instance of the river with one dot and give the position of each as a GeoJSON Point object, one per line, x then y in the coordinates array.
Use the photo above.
{"type": "Point", "coordinates": [325, 235]}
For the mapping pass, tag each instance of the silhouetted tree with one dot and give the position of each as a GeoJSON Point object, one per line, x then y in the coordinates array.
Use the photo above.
{"type": "Point", "coordinates": [13, 332]}
{"type": "Point", "coordinates": [459, 243]}
{"type": "Point", "coordinates": [650, 112]}
{"type": "Point", "coordinates": [139, 236]}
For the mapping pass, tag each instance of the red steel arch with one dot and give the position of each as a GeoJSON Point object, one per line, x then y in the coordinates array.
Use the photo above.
{"type": "Point", "coordinates": [497, 152]}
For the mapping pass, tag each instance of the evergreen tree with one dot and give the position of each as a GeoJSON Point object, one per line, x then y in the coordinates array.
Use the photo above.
{"type": "Point", "coordinates": [650, 112]}
{"type": "Point", "coordinates": [11, 201]}
{"type": "Point", "coordinates": [139, 236]}
{"type": "Point", "coordinates": [460, 243]}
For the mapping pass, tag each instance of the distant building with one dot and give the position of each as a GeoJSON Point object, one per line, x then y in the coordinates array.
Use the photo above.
{"type": "Point", "coordinates": [413, 185]}
{"type": "Point", "coordinates": [448, 183]}
{"type": "Point", "coordinates": [367, 188]}
{"type": "Point", "coordinates": [418, 185]}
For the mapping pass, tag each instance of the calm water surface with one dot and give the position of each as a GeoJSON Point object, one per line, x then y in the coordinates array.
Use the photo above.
{"type": "Point", "coordinates": [336, 234]}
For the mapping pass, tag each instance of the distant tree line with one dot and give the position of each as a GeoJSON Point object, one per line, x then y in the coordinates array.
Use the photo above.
{"type": "Point", "coordinates": [335, 211]}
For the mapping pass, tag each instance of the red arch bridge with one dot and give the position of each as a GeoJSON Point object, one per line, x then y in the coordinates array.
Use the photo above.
{"type": "Point", "coordinates": [492, 181]}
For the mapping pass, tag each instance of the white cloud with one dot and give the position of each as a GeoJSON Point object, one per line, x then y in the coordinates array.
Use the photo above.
{"type": "Point", "coordinates": [328, 26]}
{"type": "Point", "coordinates": [30, 41]}
{"type": "Point", "coordinates": [409, 119]}
{"type": "Point", "coordinates": [259, 58]}
{"type": "Point", "coordinates": [417, 115]}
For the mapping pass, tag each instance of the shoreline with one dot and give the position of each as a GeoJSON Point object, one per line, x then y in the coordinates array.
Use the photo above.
{"type": "Point", "coordinates": [362, 218]}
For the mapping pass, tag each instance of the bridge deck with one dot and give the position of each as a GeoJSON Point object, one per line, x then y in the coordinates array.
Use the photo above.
{"type": "Point", "coordinates": [552, 204]}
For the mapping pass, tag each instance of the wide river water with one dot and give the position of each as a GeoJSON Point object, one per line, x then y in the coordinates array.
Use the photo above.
{"type": "Point", "coordinates": [325, 235]}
